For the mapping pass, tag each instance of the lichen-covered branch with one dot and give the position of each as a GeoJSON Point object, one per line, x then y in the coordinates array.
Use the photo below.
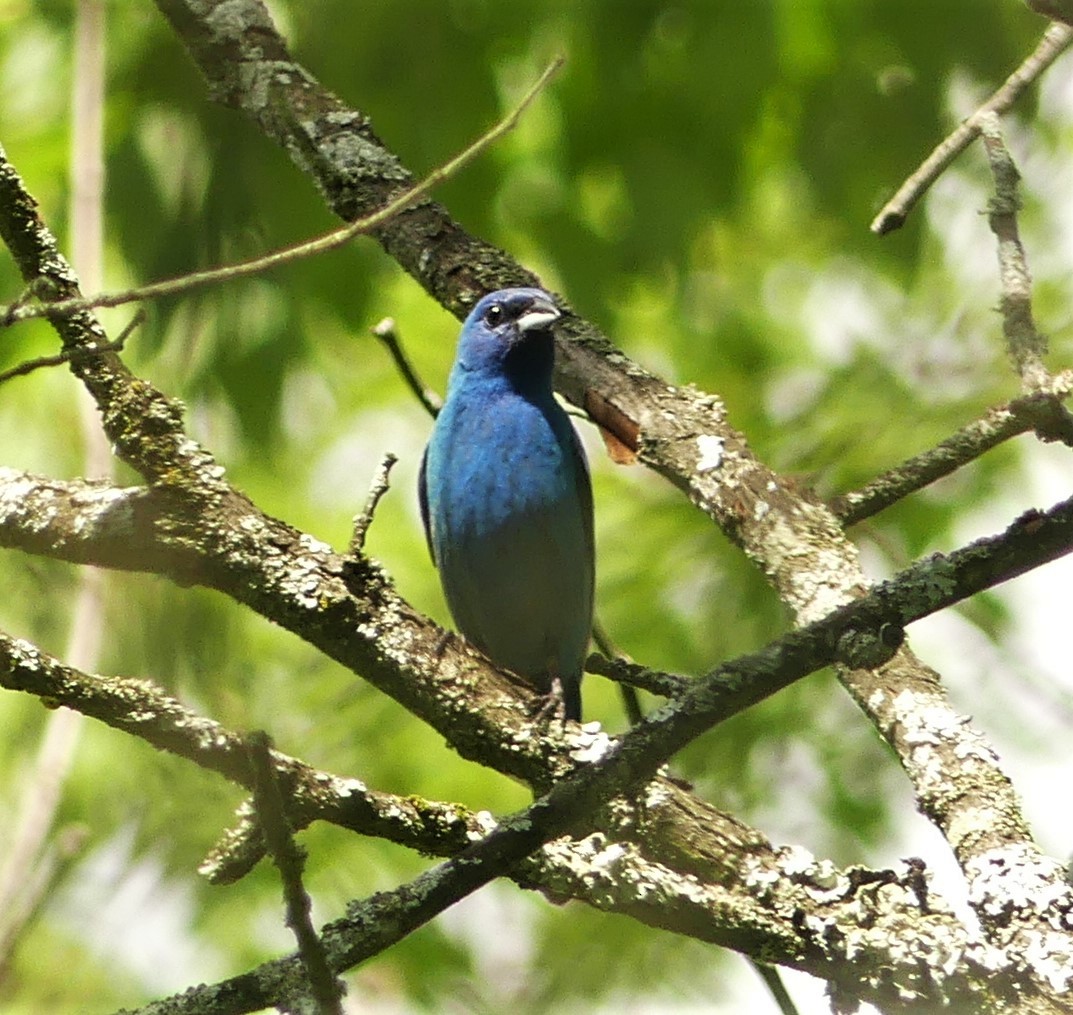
{"type": "Point", "coordinates": [144, 426]}
{"type": "Point", "coordinates": [855, 630]}
{"type": "Point", "coordinates": [1025, 345]}
{"type": "Point", "coordinates": [325, 990]}
{"type": "Point", "coordinates": [755, 903]}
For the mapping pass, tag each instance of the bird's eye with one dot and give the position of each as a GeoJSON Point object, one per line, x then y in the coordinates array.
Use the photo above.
{"type": "Point", "coordinates": [494, 314]}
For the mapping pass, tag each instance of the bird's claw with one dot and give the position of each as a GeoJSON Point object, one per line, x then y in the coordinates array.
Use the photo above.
{"type": "Point", "coordinates": [551, 706]}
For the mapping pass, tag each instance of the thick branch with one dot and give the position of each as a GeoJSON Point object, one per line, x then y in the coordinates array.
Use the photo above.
{"type": "Point", "coordinates": [855, 632]}
{"type": "Point", "coordinates": [759, 908]}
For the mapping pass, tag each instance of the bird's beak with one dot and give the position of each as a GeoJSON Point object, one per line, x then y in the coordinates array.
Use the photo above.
{"type": "Point", "coordinates": [539, 314]}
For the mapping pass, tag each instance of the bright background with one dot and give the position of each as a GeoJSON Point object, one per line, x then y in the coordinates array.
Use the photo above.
{"type": "Point", "coordinates": [699, 181]}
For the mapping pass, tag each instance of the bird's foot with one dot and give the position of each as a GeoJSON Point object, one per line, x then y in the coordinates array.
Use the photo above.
{"type": "Point", "coordinates": [551, 706]}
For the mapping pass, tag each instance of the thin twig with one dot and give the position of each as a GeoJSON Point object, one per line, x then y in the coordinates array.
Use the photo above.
{"type": "Point", "coordinates": [1025, 345]}
{"type": "Point", "coordinates": [630, 701]}
{"type": "Point", "coordinates": [380, 484]}
{"type": "Point", "coordinates": [329, 241]}
{"type": "Point", "coordinates": [38, 288]}
{"type": "Point", "coordinates": [388, 334]}
{"type": "Point", "coordinates": [773, 982]}
{"type": "Point", "coordinates": [72, 355]}
{"type": "Point", "coordinates": [625, 671]}
{"type": "Point", "coordinates": [1057, 10]}
{"type": "Point", "coordinates": [1056, 40]}
{"type": "Point", "coordinates": [1034, 411]}
{"type": "Point", "coordinates": [290, 859]}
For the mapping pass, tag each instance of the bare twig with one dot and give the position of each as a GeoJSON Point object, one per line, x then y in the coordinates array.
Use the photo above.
{"type": "Point", "coordinates": [379, 487]}
{"type": "Point", "coordinates": [773, 982]}
{"type": "Point", "coordinates": [1034, 411]}
{"type": "Point", "coordinates": [71, 355]}
{"type": "Point", "coordinates": [290, 859]}
{"type": "Point", "coordinates": [625, 671]}
{"type": "Point", "coordinates": [388, 334]}
{"type": "Point", "coordinates": [322, 244]}
{"type": "Point", "coordinates": [628, 691]}
{"type": "Point", "coordinates": [1057, 10]}
{"type": "Point", "coordinates": [1056, 40]}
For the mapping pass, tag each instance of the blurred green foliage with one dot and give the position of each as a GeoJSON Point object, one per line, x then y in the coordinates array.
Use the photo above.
{"type": "Point", "coordinates": [699, 182]}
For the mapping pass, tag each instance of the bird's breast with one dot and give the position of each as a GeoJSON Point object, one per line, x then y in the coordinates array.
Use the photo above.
{"type": "Point", "coordinates": [504, 462]}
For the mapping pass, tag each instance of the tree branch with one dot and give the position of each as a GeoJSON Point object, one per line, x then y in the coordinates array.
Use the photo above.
{"type": "Point", "coordinates": [430, 401]}
{"type": "Point", "coordinates": [1034, 411]}
{"type": "Point", "coordinates": [290, 860]}
{"type": "Point", "coordinates": [1056, 40]}
{"type": "Point", "coordinates": [1025, 345]}
{"type": "Point", "coordinates": [855, 633]}
{"type": "Point", "coordinates": [21, 311]}
{"type": "Point", "coordinates": [605, 868]}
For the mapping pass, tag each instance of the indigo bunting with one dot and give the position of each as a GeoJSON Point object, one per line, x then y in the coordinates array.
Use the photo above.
{"type": "Point", "coordinates": [506, 499]}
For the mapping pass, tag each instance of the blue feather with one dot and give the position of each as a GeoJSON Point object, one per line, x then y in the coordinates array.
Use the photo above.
{"type": "Point", "coordinates": [506, 499]}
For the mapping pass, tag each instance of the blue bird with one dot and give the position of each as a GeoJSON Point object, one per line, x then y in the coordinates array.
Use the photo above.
{"type": "Point", "coordinates": [507, 502]}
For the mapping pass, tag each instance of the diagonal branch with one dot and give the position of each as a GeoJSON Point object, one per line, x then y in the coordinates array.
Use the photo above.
{"type": "Point", "coordinates": [144, 426]}
{"type": "Point", "coordinates": [609, 872]}
{"type": "Point", "coordinates": [289, 858]}
{"type": "Point", "coordinates": [20, 311]}
{"type": "Point", "coordinates": [1056, 40]}
{"type": "Point", "coordinates": [1028, 412]}
{"type": "Point", "coordinates": [1025, 345]}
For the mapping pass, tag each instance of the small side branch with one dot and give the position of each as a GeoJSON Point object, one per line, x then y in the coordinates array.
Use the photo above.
{"type": "Point", "coordinates": [290, 859]}
{"type": "Point", "coordinates": [72, 355]}
{"type": "Point", "coordinates": [1056, 40]}
{"type": "Point", "coordinates": [1035, 411]}
{"type": "Point", "coordinates": [380, 485]}
{"type": "Point", "coordinates": [630, 701]}
{"type": "Point", "coordinates": [322, 244]}
{"type": "Point", "coordinates": [632, 675]}
{"type": "Point", "coordinates": [388, 334]}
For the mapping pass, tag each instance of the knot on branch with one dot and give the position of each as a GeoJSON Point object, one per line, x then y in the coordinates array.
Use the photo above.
{"type": "Point", "coordinates": [867, 648]}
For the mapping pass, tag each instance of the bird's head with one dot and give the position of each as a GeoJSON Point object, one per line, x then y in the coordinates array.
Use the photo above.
{"type": "Point", "coordinates": [509, 327]}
